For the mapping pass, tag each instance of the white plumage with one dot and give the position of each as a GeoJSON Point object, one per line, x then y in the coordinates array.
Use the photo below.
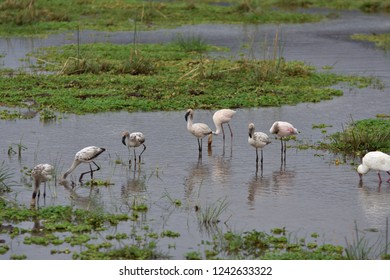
{"type": "Point", "coordinates": [199, 130]}
{"type": "Point", "coordinates": [257, 140]}
{"type": "Point", "coordinates": [41, 173]}
{"type": "Point", "coordinates": [86, 155]}
{"type": "Point", "coordinates": [377, 161]}
{"type": "Point", "coordinates": [134, 139]}
{"type": "Point", "coordinates": [283, 129]}
{"type": "Point", "coordinates": [221, 117]}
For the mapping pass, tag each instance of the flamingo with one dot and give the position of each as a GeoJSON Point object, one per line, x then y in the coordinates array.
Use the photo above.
{"type": "Point", "coordinates": [86, 155]}
{"type": "Point", "coordinates": [220, 117]}
{"type": "Point", "coordinates": [134, 140]}
{"type": "Point", "coordinates": [377, 161]}
{"type": "Point", "coordinates": [41, 174]}
{"type": "Point", "coordinates": [282, 130]}
{"type": "Point", "coordinates": [199, 130]}
{"type": "Point", "coordinates": [258, 140]}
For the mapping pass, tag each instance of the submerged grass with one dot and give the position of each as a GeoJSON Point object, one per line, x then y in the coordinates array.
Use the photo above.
{"type": "Point", "coordinates": [165, 77]}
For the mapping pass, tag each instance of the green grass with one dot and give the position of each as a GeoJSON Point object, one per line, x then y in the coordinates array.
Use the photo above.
{"type": "Point", "coordinates": [381, 40]}
{"type": "Point", "coordinates": [179, 80]}
{"type": "Point", "coordinates": [48, 16]}
{"type": "Point", "coordinates": [359, 137]}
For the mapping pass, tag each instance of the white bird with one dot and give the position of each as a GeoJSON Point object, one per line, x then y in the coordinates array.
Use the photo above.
{"type": "Point", "coordinates": [258, 140]}
{"type": "Point", "coordinates": [199, 130]}
{"type": "Point", "coordinates": [377, 161]}
{"type": "Point", "coordinates": [220, 117]}
{"type": "Point", "coordinates": [282, 130]}
{"type": "Point", "coordinates": [41, 174]}
{"type": "Point", "coordinates": [134, 139]}
{"type": "Point", "coordinates": [86, 155]}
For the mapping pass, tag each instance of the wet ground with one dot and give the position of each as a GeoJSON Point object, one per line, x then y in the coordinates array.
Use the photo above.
{"type": "Point", "coordinates": [311, 194]}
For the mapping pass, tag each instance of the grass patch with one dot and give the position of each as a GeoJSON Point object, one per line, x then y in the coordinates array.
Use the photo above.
{"type": "Point", "coordinates": [381, 40]}
{"type": "Point", "coordinates": [359, 137]}
{"type": "Point", "coordinates": [52, 16]}
{"type": "Point", "coordinates": [166, 78]}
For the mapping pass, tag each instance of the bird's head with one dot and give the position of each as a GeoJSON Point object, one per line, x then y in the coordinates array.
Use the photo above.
{"type": "Point", "coordinates": [124, 135]}
{"type": "Point", "coordinates": [188, 113]}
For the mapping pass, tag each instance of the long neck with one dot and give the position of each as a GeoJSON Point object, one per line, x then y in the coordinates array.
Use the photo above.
{"type": "Point", "coordinates": [189, 121]}
{"type": "Point", "coordinates": [73, 166]}
{"type": "Point", "coordinates": [218, 128]}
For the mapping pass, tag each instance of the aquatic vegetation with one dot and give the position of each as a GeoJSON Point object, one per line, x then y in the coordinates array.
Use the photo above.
{"type": "Point", "coordinates": [6, 176]}
{"type": "Point", "coordinates": [210, 214]}
{"type": "Point", "coordinates": [381, 40]}
{"type": "Point", "coordinates": [360, 137]}
{"type": "Point", "coordinates": [44, 16]}
{"type": "Point", "coordinates": [181, 80]}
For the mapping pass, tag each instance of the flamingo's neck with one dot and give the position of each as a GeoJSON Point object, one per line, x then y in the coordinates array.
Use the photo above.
{"type": "Point", "coordinates": [73, 166]}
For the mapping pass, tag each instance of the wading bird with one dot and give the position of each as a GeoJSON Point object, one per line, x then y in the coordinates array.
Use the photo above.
{"type": "Point", "coordinates": [282, 130]}
{"type": "Point", "coordinates": [199, 130]}
{"type": "Point", "coordinates": [41, 174]}
{"type": "Point", "coordinates": [377, 161]}
{"type": "Point", "coordinates": [220, 117]}
{"type": "Point", "coordinates": [258, 140]}
{"type": "Point", "coordinates": [134, 139]}
{"type": "Point", "coordinates": [86, 155]}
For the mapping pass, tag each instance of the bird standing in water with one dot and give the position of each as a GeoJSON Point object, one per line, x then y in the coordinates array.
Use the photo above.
{"type": "Point", "coordinates": [86, 155]}
{"type": "Point", "coordinates": [258, 140]}
{"type": "Point", "coordinates": [377, 161]}
{"type": "Point", "coordinates": [199, 130]}
{"type": "Point", "coordinates": [134, 140]}
{"type": "Point", "coordinates": [221, 117]}
{"type": "Point", "coordinates": [282, 130]}
{"type": "Point", "coordinates": [41, 173]}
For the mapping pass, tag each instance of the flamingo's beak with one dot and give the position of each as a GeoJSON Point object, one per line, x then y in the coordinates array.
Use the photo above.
{"type": "Point", "coordinates": [186, 116]}
{"type": "Point", "coordinates": [124, 140]}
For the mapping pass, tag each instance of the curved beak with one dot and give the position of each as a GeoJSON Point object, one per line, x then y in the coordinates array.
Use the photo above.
{"type": "Point", "coordinates": [124, 140]}
{"type": "Point", "coordinates": [186, 116]}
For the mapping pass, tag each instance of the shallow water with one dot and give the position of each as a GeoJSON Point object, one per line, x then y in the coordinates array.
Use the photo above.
{"type": "Point", "coordinates": [312, 193]}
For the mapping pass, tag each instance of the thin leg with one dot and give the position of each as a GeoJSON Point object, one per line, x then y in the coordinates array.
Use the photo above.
{"type": "Point", "coordinates": [139, 157]}
{"type": "Point", "coordinates": [91, 171]}
{"type": "Point", "coordinates": [388, 172]}
{"type": "Point", "coordinates": [380, 178]}
{"type": "Point", "coordinates": [135, 156]}
{"type": "Point", "coordinates": [281, 149]}
{"type": "Point", "coordinates": [257, 160]}
{"type": "Point", "coordinates": [231, 132]}
{"type": "Point", "coordinates": [200, 145]}
{"type": "Point", "coordinates": [261, 161]}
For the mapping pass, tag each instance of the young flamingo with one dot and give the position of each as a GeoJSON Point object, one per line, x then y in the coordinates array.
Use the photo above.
{"type": "Point", "coordinates": [134, 140]}
{"type": "Point", "coordinates": [41, 174]}
{"type": "Point", "coordinates": [199, 130]}
{"type": "Point", "coordinates": [258, 140]}
{"type": "Point", "coordinates": [86, 155]}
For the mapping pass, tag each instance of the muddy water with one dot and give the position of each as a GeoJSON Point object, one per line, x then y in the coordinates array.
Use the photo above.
{"type": "Point", "coordinates": [311, 194]}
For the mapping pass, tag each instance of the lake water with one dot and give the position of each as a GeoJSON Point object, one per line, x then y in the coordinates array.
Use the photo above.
{"type": "Point", "coordinates": [311, 194]}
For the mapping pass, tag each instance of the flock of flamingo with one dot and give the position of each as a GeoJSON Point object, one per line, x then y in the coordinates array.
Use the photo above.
{"type": "Point", "coordinates": [42, 173]}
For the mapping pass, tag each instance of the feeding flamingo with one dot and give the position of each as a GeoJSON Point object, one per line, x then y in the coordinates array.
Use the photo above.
{"type": "Point", "coordinates": [86, 155]}
{"type": "Point", "coordinates": [199, 130]}
{"type": "Point", "coordinates": [258, 140]}
{"type": "Point", "coordinates": [220, 117]}
{"type": "Point", "coordinates": [41, 174]}
{"type": "Point", "coordinates": [134, 139]}
{"type": "Point", "coordinates": [282, 130]}
{"type": "Point", "coordinates": [377, 161]}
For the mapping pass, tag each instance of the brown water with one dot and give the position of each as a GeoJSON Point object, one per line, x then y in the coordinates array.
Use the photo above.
{"type": "Point", "coordinates": [312, 194]}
